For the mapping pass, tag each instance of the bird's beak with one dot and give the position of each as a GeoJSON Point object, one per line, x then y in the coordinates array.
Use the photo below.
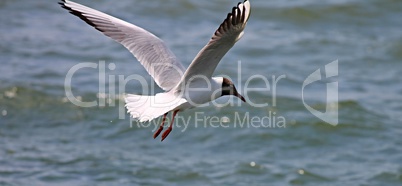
{"type": "Point", "coordinates": [240, 97]}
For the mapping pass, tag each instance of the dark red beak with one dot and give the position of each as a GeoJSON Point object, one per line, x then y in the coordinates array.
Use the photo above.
{"type": "Point", "coordinates": [240, 97]}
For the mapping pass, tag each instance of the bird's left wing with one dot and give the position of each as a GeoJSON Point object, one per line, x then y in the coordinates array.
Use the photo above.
{"type": "Point", "coordinates": [228, 33]}
{"type": "Point", "coordinates": [150, 51]}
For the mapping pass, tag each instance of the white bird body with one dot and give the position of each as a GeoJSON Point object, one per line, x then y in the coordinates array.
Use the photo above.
{"type": "Point", "coordinates": [185, 88]}
{"type": "Point", "coordinates": [196, 93]}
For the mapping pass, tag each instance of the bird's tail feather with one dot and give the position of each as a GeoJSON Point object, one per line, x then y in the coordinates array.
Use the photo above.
{"type": "Point", "coordinates": [147, 108]}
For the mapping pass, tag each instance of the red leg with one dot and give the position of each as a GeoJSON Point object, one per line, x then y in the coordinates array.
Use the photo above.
{"type": "Point", "coordinates": [167, 131]}
{"type": "Point", "coordinates": [156, 134]}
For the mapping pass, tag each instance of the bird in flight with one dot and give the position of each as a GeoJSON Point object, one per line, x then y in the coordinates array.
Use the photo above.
{"type": "Point", "coordinates": [184, 88]}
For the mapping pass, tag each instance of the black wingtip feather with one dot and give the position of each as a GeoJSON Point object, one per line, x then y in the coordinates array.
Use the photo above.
{"type": "Point", "coordinates": [227, 22]}
{"type": "Point", "coordinates": [239, 15]}
{"type": "Point", "coordinates": [233, 18]}
{"type": "Point", "coordinates": [78, 14]}
{"type": "Point", "coordinates": [243, 16]}
{"type": "Point", "coordinates": [234, 14]}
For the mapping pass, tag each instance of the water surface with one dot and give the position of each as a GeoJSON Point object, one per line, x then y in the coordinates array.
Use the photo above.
{"type": "Point", "coordinates": [47, 140]}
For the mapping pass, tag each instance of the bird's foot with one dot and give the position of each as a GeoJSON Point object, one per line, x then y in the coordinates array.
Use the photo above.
{"type": "Point", "coordinates": [156, 134]}
{"type": "Point", "coordinates": [166, 133]}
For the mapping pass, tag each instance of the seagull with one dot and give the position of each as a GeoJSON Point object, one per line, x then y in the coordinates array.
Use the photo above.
{"type": "Point", "coordinates": [184, 88]}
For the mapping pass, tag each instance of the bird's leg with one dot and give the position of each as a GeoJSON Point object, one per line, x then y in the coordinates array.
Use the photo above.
{"type": "Point", "coordinates": [156, 134]}
{"type": "Point", "coordinates": [167, 131]}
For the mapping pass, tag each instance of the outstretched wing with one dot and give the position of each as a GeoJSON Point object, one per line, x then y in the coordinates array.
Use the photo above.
{"type": "Point", "coordinates": [228, 33]}
{"type": "Point", "coordinates": [149, 50]}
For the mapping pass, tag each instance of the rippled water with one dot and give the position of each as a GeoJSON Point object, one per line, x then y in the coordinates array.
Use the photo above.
{"type": "Point", "coordinates": [47, 140]}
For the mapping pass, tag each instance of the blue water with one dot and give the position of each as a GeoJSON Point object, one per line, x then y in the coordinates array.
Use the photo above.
{"type": "Point", "coordinates": [47, 140]}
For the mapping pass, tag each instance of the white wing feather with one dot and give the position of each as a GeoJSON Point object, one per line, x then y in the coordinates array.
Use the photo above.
{"type": "Point", "coordinates": [149, 50]}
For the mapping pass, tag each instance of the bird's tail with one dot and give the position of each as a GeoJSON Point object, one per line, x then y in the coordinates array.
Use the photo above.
{"type": "Point", "coordinates": [147, 108]}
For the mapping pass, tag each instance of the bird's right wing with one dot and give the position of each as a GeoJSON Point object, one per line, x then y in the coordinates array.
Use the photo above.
{"type": "Point", "coordinates": [228, 33]}
{"type": "Point", "coordinates": [150, 51]}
